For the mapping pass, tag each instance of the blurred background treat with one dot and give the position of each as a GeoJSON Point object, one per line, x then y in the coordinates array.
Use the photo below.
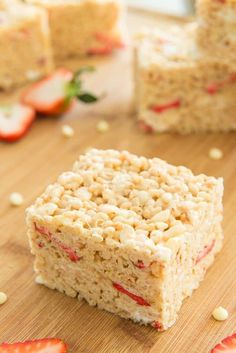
{"type": "Point", "coordinates": [172, 7]}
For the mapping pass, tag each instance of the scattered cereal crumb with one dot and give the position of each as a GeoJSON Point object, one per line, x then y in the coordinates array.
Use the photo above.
{"type": "Point", "coordinates": [32, 75]}
{"type": "Point", "coordinates": [39, 280]}
{"type": "Point", "coordinates": [67, 131]}
{"type": "Point", "coordinates": [3, 298]}
{"type": "Point", "coordinates": [102, 126]}
{"type": "Point", "coordinates": [16, 199]}
{"type": "Point", "coordinates": [215, 153]}
{"type": "Point", "coordinates": [220, 314]}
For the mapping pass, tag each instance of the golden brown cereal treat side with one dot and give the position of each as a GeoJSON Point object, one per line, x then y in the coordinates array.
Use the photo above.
{"type": "Point", "coordinates": [178, 88]}
{"type": "Point", "coordinates": [23, 30]}
{"type": "Point", "coordinates": [88, 27]}
{"type": "Point", "coordinates": [131, 235]}
{"type": "Point", "coordinates": [216, 34]}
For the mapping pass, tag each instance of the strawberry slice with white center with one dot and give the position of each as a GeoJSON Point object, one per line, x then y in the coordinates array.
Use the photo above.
{"type": "Point", "coordinates": [48, 95]}
{"type": "Point", "coordinates": [55, 94]}
{"type": "Point", "coordinates": [45, 345]}
{"type": "Point", "coordinates": [227, 345]}
{"type": "Point", "coordinates": [15, 121]}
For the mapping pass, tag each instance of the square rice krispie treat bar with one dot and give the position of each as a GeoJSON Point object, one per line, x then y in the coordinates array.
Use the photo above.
{"type": "Point", "coordinates": [86, 27]}
{"type": "Point", "coordinates": [179, 89]}
{"type": "Point", "coordinates": [131, 235]}
{"type": "Point", "coordinates": [24, 35]}
{"type": "Point", "coordinates": [216, 33]}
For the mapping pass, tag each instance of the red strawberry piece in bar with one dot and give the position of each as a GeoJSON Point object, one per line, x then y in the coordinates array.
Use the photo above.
{"type": "Point", "coordinates": [232, 77]}
{"type": "Point", "coordinates": [42, 230]}
{"type": "Point", "coordinates": [157, 325]}
{"type": "Point", "coordinates": [107, 44]}
{"type": "Point", "coordinates": [112, 41]}
{"type": "Point", "coordinates": [139, 300]}
{"type": "Point", "coordinates": [68, 250]}
{"type": "Point", "coordinates": [227, 345]}
{"type": "Point", "coordinates": [145, 127]}
{"type": "Point", "coordinates": [163, 107]}
{"type": "Point", "coordinates": [140, 264]}
{"type": "Point", "coordinates": [40, 245]}
{"type": "Point", "coordinates": [15, 121]}
{"type": "Point", "coordinates": [213, 88]}
{"type": "Point", "coordinates": [103, 50]}
{"type": "Point", "coordinates": [56, 93]}
{"type": "Point", "coordinates": [216, 86]}
{"type": "Point", "coordinates": [206, 250]}
{"type": "Point", "coordinates": [46, 345]}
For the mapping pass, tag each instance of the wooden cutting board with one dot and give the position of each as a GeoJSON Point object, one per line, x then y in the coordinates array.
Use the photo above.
{"type": "Point", "coordinates": [34, 311]}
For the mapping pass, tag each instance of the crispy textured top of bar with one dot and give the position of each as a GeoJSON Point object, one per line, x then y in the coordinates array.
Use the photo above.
{"type": "Point", "coordinates": [125, 199]}
{"type": "Point", "coordinates": [173, 48]}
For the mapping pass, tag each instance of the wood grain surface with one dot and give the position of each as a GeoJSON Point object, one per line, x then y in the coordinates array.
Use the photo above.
{"type": "Point", "coordinates": [33, 311]}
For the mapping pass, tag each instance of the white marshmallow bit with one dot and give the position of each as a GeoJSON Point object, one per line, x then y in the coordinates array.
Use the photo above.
{"type": "Point", "coordinates": [102, 126]}
{"type": "Point", "coordinates": [39, 280]}
{"type": "Point", "coordinates": [67, 131]}
{"type": "Point", "coordinates": [215, 153]}
{"type": "Point", "coordinates": [220, 314]}
{"type": "Point", "coordinates": [3, 298]}
{"type": "Point", "coordinates": [16, 199]}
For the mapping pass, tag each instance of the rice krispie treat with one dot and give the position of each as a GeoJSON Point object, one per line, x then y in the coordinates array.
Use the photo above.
{"type": "Point", "coordinates": [178, 88]}
{"type": "Point", "coordinates": [216, 34]}
{"type": "Point", "coordinates": [84, 27]}
{"type": "Point", "coordinates": [131, 235]}
{"type": "Point", "coordinates": [24, 35]}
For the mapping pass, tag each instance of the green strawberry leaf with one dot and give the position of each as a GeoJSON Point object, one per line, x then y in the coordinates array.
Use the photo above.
{"type": "Point", "coordinates": [87, 97]}
{"type": "Point", "coordinates": [74, 88]}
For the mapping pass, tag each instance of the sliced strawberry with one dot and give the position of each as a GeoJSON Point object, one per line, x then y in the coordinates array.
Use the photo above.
{"type": "Point", "coordinates": [227, 345]}
{"type": "Point", "coordinates": [55, 94]}
{"type": "Point", "coordinates": [67, 249]}
{"type": "Point", "coordinates": [45, 345]}
{"type": "Point", "coordinates": [206, 250]}
{"type": "Point", "coordinates": [47, 96]}
{"type": "Point", "coordinates": [163, 107]}
{"type": "Point", "coordinates": [139, 300]}
{"type": "Point", "coordinates": [15, 121]}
